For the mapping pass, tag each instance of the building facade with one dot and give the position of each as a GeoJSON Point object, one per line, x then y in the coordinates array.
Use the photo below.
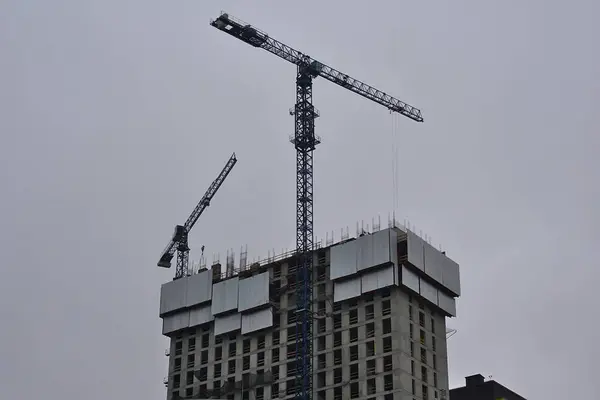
{"type": "Point", "coordinates": [380, 303]}
{"type": "Point", "coordinates": [477, 388]}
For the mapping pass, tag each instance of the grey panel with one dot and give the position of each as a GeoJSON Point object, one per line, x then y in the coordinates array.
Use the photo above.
{"type": "Point", "coordinates": [199, 288]}
{"type": "Point", "coordinates": [415, 250]}
{"type": "Point", "coordinates": [176, 322]}
{"type": "Point", "coordinates": [200, 315]}
{"type": "Point", "coordinates": [382, 244]}
{"type": "Point", "coordinates": [364, 252]}
{"type": "Point", "coordinates": [172, 295]}
{"type": "Point", "coordinates": [228, 323]}
{"type": "Point", "coordinates": [378, 279]}
{"type": "Point", "coordinates": [428, 291]}
{"type": "Point", "coordinates": [254, 291]}
{"type": "Point", "coordinates": [434, 262]}
{"type": "Point", "coordinates": [257, 320]}
{"type": "Point", "coordinates": [346, 289]}
{"type": "Point", "coordinates": [410, 279]}
{"type": "Point", "coordinates": [225, 296]}
{"type": "Point", "coordinates": [451, 275]}
{"type": "Point", "coordinates": [447, 303]}
{"type": "Point", "coordinates": [394, 247]}
{"type": "Point", "coordinates": [343, 260]}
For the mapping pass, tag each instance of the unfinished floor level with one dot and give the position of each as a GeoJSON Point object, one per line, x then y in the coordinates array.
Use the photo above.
{"type": "Point", "coordinates": [380, 302]}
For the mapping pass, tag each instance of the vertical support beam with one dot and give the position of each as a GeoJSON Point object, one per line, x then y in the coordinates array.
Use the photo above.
{"type": "Point", "coordinates": [183, 253]}
{"type": "Point", "coordinates": [304, 141]}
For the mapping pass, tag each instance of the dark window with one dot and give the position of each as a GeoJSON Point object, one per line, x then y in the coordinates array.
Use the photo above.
{"type": "Point", "coordinates": [354, 392]}
{"type": "Point", "coordinates": [353, 353]}
{"type": "Point", "coordinates": [371, 367]}
{"type": "Point", "coordinates": [370, 348]}
{"type": "Point", "coordinates": [371, 386]}
{"type": "Point", "coordinates": [353, 334]}
{"type": "Point", "coordinates": [387, 344]}
{"type": "Point", "coordinates": [369, 312]}
{"type": "Point", "coordinates": [337, 376]}
{"type": "Point", "coordinates": [337, 357]}
{"type": "Point", "coordinates": [337, 393]}
{"type": "Point", "coordinates": [386, 307]}
{"type": "Point", "coordinates": [387, 325]}
{"type": "Point", "coordinates": [353, 372]}
{"type": "Point", "coordinates": [261, 359]}
{"type": "Point", "coordinates": [388, 365]}
{"type": "Point", "coordinates": [388, 382]}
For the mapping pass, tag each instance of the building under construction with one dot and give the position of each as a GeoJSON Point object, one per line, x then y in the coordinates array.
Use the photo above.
{"type": "Point", "coordinates": [380, 303]}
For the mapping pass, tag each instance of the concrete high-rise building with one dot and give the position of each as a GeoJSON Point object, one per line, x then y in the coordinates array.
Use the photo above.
{"type": "Point", "coordinates": [477, 388]}
{"type": "Point", "coordinates": [380, 303]}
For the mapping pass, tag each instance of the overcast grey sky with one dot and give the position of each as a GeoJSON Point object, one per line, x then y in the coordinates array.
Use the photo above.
{"type": "Point", "coordinates": [116, 115]}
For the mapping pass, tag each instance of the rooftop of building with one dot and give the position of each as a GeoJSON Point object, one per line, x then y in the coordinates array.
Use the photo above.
{"type": "Point", "coordinates": [374, 260]}
{"type": "Point", "coordinates": [477, 388]}
{"type": "Point", "coordinates": [245, 264]}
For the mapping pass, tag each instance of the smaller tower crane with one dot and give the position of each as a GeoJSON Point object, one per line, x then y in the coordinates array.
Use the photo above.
{"type": "Point", "coordinates": [179, 242]}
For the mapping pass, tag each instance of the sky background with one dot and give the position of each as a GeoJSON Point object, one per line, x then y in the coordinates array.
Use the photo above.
{"type": "Point", "coordinates": [115, 116]}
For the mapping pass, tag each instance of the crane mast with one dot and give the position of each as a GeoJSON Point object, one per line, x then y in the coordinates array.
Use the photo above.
{"type": "Point", "coordinates": [179, 242]}
{"type": "Point", "coordinates": [305, 141]}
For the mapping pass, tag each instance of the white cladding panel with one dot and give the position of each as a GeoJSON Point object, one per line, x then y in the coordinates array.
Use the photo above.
{"type": "Point", "coordinates": [428, 291]}
{"type": "Point", "coordinates": [414, 247]}
{"type": "Point", "coordinates": [225, 296]}
{"type": "Point", "coordinates": [200, 315]}
{"type": "Point", "coordinates": [176, 322]}
{"type": "Point", "coordinates": [254, 291]}
{"type": "Point", "coordinates": [343, 260]}
{"type": "Point", "coordinates": [394, 246]}
{"type": "Point", "coordinates": [378, 279]}
{"type": "Point", "coordinates": [346, 289]}
{"type": "Point", "coordinates": [447, 303]}
{"type": "Point", "coordinates": [410, 279]}
{"type": "Point", "coordinates": [257, 320]}
{"type": "Point", "coordinates": [363, 253]}
{"type": "Point", "coordinates": [383, 244]}
{"type": "Point", "coordinates": [228, 323]}
{"type": "Point", "coordinates": [451, 275]}
{"type": "Point", "coordinates": [434, 262]}
{"type": "Point", "coordinates": [173, 295]}
{"type": "Point", "coordinates": [199, 288]}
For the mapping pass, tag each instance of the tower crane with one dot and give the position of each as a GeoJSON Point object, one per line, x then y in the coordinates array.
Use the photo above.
{"type": "Point", "coordinates": [179, 242]}
{"type": "Point", "coordinates": [305, 141]}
